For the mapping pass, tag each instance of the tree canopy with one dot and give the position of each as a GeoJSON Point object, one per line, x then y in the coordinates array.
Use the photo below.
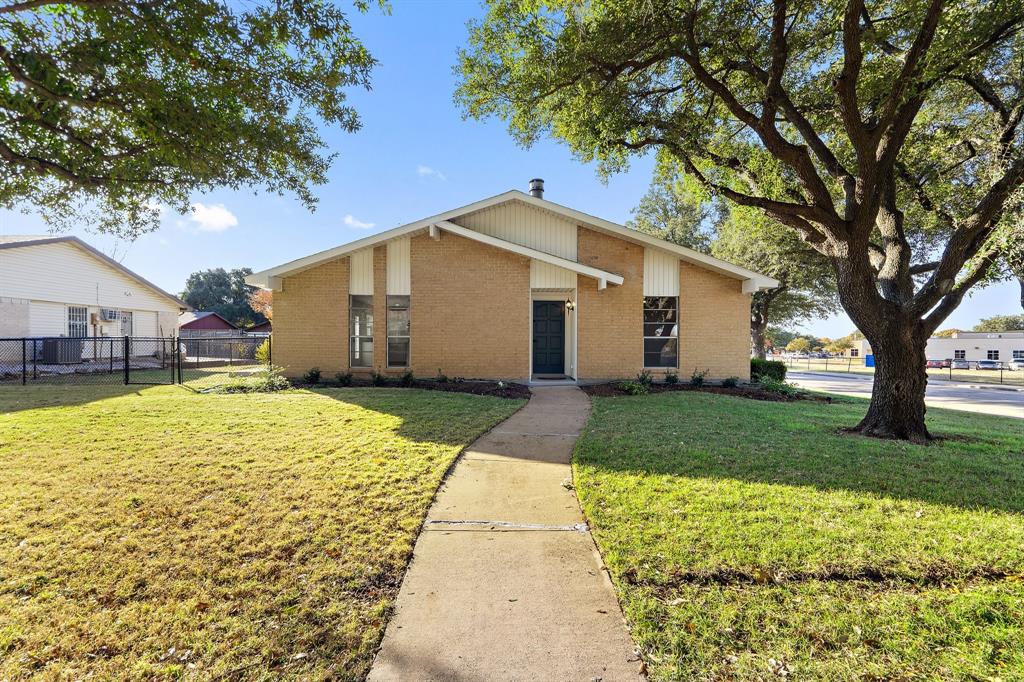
{"type": "Point", "coordinates": [887, 134]}
{"type": "Point", "coordinates": [225, 293]}
{"type": "Point", "coordinates": [109, 108]}
{"type": "Point", "coordinates": [1000, 323]}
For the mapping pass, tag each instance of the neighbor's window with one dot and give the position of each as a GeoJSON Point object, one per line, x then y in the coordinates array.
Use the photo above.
{"type": "Point", "coordinates": [398, 331]}
{"type": "Point", "coordinates": [959, 355]}
{"type": "Point", "coordinates": [992, 355]}
{"type": "Point", "coordinates": [78, 322]}
{"type": "Point", "coordinates": [360, 312]}
{"type": "Point", "coordinates": [661, 331]}
{"type": "Point", "coordinates": [854, 352]}
{"type": "Point", "coordinates": [1018, 355]}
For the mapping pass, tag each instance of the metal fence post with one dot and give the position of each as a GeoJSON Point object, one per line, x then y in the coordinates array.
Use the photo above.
{"type": "Point", "coordinates": [126, 351]}
{"type": "Point", "coordinates": [24, 361]}
{"type": "Point", "coordinates": [177, 355]}
{"type": "Point", "coordinates": [35, 362]}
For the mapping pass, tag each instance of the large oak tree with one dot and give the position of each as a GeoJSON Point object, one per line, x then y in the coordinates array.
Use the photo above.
{"type": "Point", "coordinates": [887, 134]}
{"type": "Point", "coordinates": [109, 108]}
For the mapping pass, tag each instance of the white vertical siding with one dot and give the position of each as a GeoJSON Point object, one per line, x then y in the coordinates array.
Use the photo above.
{"type": "Point", "coordinates": [546, 276]}
{"type": "Point", "coordinates": [399, 267]}
{"type": "Point", "coordinates": [526, 225]}
{"type": "Point", "coordinates": [361, 273]}
{"type": "Point", "coordinates": [661, 273]}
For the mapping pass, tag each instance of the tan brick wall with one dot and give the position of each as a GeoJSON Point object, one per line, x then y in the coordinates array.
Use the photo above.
{"type": "Point", "coordinates": [610, 324]}
{"type": "Point", "coordinates": [714, 329]}
{"type": "Point", "coordinates": [380, 310]}
{"type": "Point", "coordinates": [311, 320]}
{"type": "Point", "coordinates": [470, 309]}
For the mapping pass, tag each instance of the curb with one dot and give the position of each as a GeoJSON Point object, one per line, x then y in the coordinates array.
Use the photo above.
{"type": "Point", "coordinates": [944, 382]}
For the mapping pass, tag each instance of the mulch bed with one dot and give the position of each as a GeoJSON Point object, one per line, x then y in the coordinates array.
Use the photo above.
{"type": "Point", "coordinates": [753, 392]}
{"type": "Point", "coordinates": [491, 388]}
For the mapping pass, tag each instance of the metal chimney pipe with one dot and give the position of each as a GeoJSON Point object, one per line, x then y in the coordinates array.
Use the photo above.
{"type": "Point", "coordinates": [537, 188]}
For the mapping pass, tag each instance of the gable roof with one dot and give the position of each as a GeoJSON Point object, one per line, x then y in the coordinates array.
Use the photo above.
{"type": "Point", "coordinates": [187, 318]}
{"type": "Point", "coordinates": [14, 241]}
{"type": "Point", "coordinates": [752, 281]}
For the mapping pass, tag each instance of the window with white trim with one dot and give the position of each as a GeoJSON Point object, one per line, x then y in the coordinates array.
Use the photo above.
{"type": "Point", "coordinates": [360, 314]}
{"type": "Point", "coordinates": [398, 331]}
{"type": "Point", "coordinates": [1018, 354]}
{"type": "Point", "coordinates": [854, 352]}
{"type": "Point", "coordinates": [959, 355]}
{"type": "Point", "coordinates": [661, 331]}
{"type": "Point", "coordinates": [78, 322]}
{"type": "Point", "coordinates": [992, 355]}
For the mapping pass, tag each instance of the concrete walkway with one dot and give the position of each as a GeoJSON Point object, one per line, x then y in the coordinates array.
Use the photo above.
{"type": "Point", "coordinates": [505, 581]}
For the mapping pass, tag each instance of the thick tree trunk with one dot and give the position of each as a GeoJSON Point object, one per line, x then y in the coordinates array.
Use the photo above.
{"type": "Point", "coordinates": [897, 397]}
{"type": "Point", "coordinates": [757, 334]}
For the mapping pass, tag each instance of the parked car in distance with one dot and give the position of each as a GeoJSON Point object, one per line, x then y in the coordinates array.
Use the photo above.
{"type": "Point", "coordinates": [989, 364]}
{"type": "Point", "coordinates": [959, 364]}
{"type": "Point", "coordinates": [932, 364]}
{"type": "Point", "coordinates": [1016, 364]}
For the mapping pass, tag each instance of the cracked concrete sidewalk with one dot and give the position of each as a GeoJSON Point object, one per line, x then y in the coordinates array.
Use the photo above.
{"type": "Point", "coordinates": [505, 581]}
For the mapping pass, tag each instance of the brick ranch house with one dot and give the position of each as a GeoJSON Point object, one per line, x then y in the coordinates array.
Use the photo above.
{"type": "Point", "coordinates": [512, 287]}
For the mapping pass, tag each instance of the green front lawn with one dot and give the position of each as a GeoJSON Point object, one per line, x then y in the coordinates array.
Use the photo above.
{"type": "Point", "coordinates": [752, 540]}
{"type": "Point", "coordinates": [157, 532]}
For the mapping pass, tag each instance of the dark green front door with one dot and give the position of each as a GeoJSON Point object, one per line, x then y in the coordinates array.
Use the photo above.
{"type": "Point", "coordinates": [548, 337]}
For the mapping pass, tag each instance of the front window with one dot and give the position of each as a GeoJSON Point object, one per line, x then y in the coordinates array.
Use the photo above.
{"type": "Point", "coordinates": [78, 322]}
{"type": "Point", "coordinates": [959, 355]}
{"type": "Point", "coordinates": [992, 355]}
{"type": "Point", "coordinates": [398, 331]}
{"type": "Point", "coordinates": [360, 331]}
{"type": "Point", "coordinates": [661, 331]}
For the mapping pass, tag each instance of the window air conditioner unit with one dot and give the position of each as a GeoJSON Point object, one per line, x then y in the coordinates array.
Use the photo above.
{"type": "Point", "coordinates": [109, 315]}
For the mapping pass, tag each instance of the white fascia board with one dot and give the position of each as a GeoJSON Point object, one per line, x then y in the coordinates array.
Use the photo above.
{"type": "Point", "coordinates": [579, 268]}
{"type": "Point", "coordinates": [260, 279]}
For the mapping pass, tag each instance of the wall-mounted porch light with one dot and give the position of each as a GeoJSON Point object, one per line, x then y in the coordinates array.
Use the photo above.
{"type": "Point", "coordinates": [570, 305]}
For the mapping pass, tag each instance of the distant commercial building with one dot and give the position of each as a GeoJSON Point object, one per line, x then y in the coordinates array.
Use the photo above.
{"type": "Point", "coordinates": [970, 346]}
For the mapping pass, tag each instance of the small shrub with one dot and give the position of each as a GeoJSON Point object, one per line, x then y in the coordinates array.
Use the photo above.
{"type": "Point", "coordinates": [634, 387]}
{"type": "Point", "coordinates": [407, 379]}
{"type": "Point", "coordinates": [344, 378]}
{"type": "Point", "coordinates": [645, 378]}
{"type": "Point", "coordinates": [781, 387]}
{"type": "Point", "coordinates": [671, 378]}
{"type": "Point", "coordinates": [697, 378]}
{"type": "Point", "coordinates": [767, 368]}
{"type": "Point", "coordinates": [731, 382]}
{"type": "Point", "coordinates": [312, 376]}
{"type": "Point", "coordinates": [458, 380]}
{"type": "Point", "coordinates": [266, 380]}
{"type": "Point", "coordinates": [442, 378]}
{"type": "Point", "coordinates": [378, 379]}
{"type": "Point", "coordinates": [263, 352]}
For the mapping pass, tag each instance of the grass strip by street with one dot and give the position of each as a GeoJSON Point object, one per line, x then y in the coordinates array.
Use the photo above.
{"type": "Point", "coordinates": [752, 539]}
{"type": "Point", "coordinates": [160, 532]}
{"type": "Point", "coordinates": [1005, 377]}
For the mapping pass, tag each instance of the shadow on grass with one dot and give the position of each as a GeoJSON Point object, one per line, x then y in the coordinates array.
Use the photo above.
{"type": "Point", "coordinates": [977, 464]}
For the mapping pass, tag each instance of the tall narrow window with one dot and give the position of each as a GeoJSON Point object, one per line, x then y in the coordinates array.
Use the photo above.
{"type": "Point", "coordinates": [661, 331]}
{"type": "Point", "coordinates": [361, 331]}
{"type": "Point", "coordinates": [398, 331]}
{"type": "Point", "coordinates": [78, 322]}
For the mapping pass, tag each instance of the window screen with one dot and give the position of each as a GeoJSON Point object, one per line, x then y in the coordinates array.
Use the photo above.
{"type": "Point", "coordinates": [361, 331]}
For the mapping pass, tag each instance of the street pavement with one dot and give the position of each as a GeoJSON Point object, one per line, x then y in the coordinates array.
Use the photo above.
{"type": "Point", "coordinates": [1005, 402]}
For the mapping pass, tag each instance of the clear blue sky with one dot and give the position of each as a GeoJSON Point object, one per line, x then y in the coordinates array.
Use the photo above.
{"type": "Point", "coordinates": [414, 157]}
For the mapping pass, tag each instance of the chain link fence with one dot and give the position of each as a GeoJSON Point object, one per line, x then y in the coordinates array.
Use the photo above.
{"type": "Point", "coordinates": [130, 359]}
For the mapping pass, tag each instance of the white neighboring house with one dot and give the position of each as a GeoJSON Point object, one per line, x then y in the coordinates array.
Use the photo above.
{"type": "Point", "coordinates": [974, 346]}
{"type": "Point", "coordinates": [61, 286]}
